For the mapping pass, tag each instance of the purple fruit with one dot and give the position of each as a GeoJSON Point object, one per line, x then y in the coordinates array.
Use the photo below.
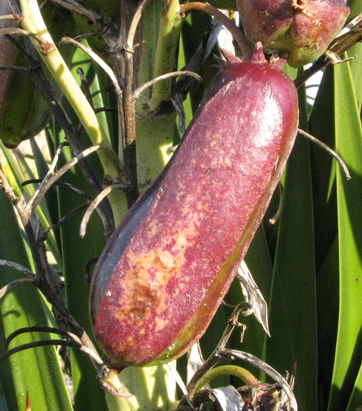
{"type": "Point", "coordinates": [302, 29]}
{"type": "Point", "coordinates": [167, 267]}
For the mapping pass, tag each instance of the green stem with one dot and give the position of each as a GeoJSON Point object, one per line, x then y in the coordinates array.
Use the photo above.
{"type": "Point", "coordinates": [162, 23]}
{"type": "Point", "coordinates": [246, 376]}
{"type": "Point", "coordinates": [34, 23]}
{"type": "Point", "coordinates": [153, 388]}
{"type": "Point", "coordinates": [165, 61]}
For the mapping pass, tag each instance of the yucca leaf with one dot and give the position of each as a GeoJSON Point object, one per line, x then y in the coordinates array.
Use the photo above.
{"type": "Point", "coordinates": [293, 316]}
{"type": "Point", "coordinates": [355, 400]}
{"type": "Point", "coordinates": [355, 52]}
{"type": "Point", "coordinates": [3, 405]}
{"type": "Point", "coordinates": [18, 171]}
{"type": "Point", "coordinates": [34, 370]}
{"type": "Point", "coordinates": [349, 194]}
{"type": "Point", "coordinates": [321, 126]}
{"type": "Point", "coordinates": [76, 253]}
{"type": "Point", "coordinates": [328, 307]}
{"type": "Point", "coordinates": [50, 199]}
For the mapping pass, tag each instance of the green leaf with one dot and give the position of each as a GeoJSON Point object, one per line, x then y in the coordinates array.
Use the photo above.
{"type": "Point", "coordinates": [154, 389]}
{"type": "Point", "coordinates": [293, 317]}
{"type": "Point", "coordinates": [349, 194]}
{"type": "Point", "coordinates": [3, 406]}
{"type": "Point", "coordinates": [34, 370]}
{"type": "Point", "coordinates": [328, 307]}
{"type": "Point", "coordinates": [356, 51]}
{"type": "Point", "coordinates": [76, 252]}
{"type": "Point", "coordinates": [50, 199]}
{"type": "Point", "coordinates": [260, 265]}
{"type": "Point", "coordinates": [356, 396]}
{"type": "Point", "coordinates": [18, 171]}
{"type": "Point", "coordinates": [321, 126]}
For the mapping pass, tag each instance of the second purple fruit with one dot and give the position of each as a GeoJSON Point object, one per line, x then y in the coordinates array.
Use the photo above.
{"type": "Point", "coordinates": [302, 29]}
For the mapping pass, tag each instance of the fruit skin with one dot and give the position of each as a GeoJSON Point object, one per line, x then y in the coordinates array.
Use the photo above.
{"type": "Point", "coordinates": [301, 28]}
{"type": "Point", "coordinates": [168, 265]}
{"type": "Point", "coordinates": [23, 110]}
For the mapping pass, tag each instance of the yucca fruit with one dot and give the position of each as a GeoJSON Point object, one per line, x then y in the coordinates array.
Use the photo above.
{"type": "Point", "coordinates": [168, 265]}
{"type": "Point", "coordinates": [301, 29]}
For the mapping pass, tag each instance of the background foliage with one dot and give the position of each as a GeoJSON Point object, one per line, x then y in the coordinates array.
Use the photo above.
{"type": "Point", "coordinates": [307, 264]}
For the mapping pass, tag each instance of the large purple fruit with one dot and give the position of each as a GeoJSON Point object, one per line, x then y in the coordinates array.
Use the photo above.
{"type": "Point", "coordinates": [301, 28]}
{"type": "Point", "coordinates": [167, 267]}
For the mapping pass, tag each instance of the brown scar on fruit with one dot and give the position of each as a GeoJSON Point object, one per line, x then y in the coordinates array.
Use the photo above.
{"type": "Point", "coordinates": [146, 275]}
{"type": "Point", "coordinates": [146, 298]}
{"type": "Point", "coordinates": [128, 344]}
{"type": "Point", "coordinates": [145, 292]}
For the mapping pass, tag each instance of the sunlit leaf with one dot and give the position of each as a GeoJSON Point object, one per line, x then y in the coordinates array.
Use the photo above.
{"type": "Point", "coordinates": [349, 194]}
{"type": "Point", "coordinates": [34, 370]}
{"type": "Point", "coordinates": [293, 316]}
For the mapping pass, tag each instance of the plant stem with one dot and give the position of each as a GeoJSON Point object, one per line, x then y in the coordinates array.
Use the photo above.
{"type": "Point", "coordinates": [34, 23]}
{"type": "Point", "coordinates": [234, 30]}
{"type": "Point", "coordinates": [165, 59]}
{"type": "Point", "coordinates": [240, 372]}
{"type": "Point", "coordinates": [123, 62]}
